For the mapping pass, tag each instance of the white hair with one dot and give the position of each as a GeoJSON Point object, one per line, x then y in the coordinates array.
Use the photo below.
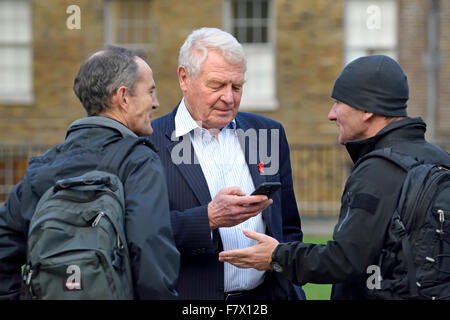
{"type": "Point", "coordinates": [194, 50]}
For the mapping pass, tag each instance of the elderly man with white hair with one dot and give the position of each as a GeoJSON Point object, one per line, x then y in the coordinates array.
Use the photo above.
{"type": "Point", "coordinates": [214, 158]}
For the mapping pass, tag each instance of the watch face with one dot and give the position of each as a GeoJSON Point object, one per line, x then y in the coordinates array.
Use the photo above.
{"type": "Point", "coordinates": [276, 267]}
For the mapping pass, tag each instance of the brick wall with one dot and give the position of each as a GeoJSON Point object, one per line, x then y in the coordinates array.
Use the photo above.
{"type": "Point", "coordinates": [57, 55]}
{"type": "Point", "coordinates": [176, 19]}
{"type": "Point", "coordinates": [309, 58]}
{"type": "Point", "coordinates": [412, 47]}
{"type": "Point", "coordinates": [309, 40]}
{"type": "Point", "coordinates": [443, 113]}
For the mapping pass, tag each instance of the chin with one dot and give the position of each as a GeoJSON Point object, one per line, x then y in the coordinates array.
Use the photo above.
{"type": "Point", "coordinates": [226, 120]}
{"type": "Point", "coordinates": [148, 131]}
{"type": "Point", "coordinates": [144, 132]}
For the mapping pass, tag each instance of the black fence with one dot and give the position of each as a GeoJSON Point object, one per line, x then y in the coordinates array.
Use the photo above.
{"type": "Point", "coordinates": [13, 165]}
{"type": "Point", "coordinates": [319, 174]}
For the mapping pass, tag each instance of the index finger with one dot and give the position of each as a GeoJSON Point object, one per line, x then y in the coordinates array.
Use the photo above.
{"type": "Point", "coordinates": [251, 199]}
{"type": "Point", "coordinates": [232, 191]}
{"type": "Point", "coordinates": [232, 254]}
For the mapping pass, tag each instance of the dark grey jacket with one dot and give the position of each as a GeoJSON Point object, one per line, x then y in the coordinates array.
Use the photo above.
{"type": "Point", "coordinates": [368, 201]}
{"type": "Point", "coordinates": [154, 257]}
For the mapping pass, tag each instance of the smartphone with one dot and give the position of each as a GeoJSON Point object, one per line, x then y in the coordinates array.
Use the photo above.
{"type": "Point", "coordinates": [267, 188]}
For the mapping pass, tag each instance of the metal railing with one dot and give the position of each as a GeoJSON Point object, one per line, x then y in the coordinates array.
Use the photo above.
{"type": "Point", "coordinates": [13, 165]}
{"type": "Point", "coordinates": [319, 174]}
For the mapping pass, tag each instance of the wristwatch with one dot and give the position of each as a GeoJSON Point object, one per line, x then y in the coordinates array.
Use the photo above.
{"type": "Point", "coordinates": [274, 264]}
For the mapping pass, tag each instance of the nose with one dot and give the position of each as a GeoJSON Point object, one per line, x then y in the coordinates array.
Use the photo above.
{"type": "Point", "coordinates": [332, 113]}
{"type": "Point", "coordinates": [155, 103]}
{"type": "Point", "coordinates": [227, 96]}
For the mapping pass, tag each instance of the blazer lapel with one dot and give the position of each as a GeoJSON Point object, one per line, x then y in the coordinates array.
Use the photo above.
{"type": "Point", "coordinates": [189, 168]}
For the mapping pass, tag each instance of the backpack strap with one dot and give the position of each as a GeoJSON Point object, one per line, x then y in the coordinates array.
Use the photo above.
{"type": "Point", "coordinates": [400, 230]}
{"type": "Point", "coordinates": [405, 162]}
{"type": "Point", "coordinates": [118, 151]}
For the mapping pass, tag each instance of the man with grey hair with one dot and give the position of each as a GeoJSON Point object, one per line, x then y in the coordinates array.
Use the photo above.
{"type": "Point", "coordinates": [117, 90]}
{"type": "Point", "coordinates": [214, 158]}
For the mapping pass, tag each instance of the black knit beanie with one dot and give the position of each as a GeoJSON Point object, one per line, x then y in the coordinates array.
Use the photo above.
{"type": "Point", "coordinates": [374, 84]}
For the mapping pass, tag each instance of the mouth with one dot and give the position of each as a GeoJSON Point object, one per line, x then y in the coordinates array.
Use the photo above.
{"type": "Point", "coordinates": [224, 110]}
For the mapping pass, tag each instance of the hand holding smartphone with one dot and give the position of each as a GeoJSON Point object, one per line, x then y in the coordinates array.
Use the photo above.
{"type": "Point", "coordinates": [267, 188]}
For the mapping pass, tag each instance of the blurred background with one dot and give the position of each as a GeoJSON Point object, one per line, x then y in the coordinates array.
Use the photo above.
{"type": "Point", "coordinates": [295, 51]}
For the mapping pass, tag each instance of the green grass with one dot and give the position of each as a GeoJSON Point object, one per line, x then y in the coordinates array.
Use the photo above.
{"type": "Point", "coordinates": [317, 291]}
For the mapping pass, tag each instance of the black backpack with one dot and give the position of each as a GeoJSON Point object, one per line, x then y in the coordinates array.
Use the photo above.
{"type": "Point", "coordinates": [77, 248]}
{"type": "Point", "coordinates": [415, 260]}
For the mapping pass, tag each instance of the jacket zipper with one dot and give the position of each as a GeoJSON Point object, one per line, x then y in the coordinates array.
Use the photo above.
{"type": "Point", "coordinates": [441, 217]}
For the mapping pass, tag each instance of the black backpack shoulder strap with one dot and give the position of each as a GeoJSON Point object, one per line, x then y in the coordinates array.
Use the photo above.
{"type": "Point", "coordinates": [398, 226]}
{"type": "Point", "coordinates": [119, 150]}
{"type": "Point", "coordinates": [403, 161]}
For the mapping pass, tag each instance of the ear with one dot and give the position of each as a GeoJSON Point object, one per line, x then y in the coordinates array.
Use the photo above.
{"type": "Point", "coordinates": [182, 78]}
{"type": "Point", "coordinates": [367, 116]}
{"type": "Point", "coordinates": [121, 97]}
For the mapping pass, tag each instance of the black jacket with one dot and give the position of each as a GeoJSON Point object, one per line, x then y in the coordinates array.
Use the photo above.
{"type": "Point", "coordinates": [368, 201]}
{"type": "Point", "coordinates": [154, 257]}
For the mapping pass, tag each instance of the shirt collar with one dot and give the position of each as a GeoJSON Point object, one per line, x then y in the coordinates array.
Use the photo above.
{"type": "Point", "coordinates": [184, 123]}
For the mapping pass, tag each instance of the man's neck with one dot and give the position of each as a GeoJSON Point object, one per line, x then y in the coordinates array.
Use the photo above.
{"type": "Point", "coordinates": [379, 123]}
{"type": "Point", "coordinates": [112, 114]}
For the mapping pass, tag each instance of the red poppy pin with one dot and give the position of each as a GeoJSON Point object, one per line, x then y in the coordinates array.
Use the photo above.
{"type": "Point", "coordinates": [261, 167]}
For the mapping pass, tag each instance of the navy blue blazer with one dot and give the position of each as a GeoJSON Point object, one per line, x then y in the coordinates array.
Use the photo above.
{"type": "Point", "coordinates": [201, 274]}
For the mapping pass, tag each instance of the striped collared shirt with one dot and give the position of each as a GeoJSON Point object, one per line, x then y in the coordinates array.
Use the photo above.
{"type": "Point", "coordinates": [223, 165]}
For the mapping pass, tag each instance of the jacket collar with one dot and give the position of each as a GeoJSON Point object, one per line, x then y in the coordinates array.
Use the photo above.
{"type": "Point", "coordinates": [411, 129]}
{"type": "Point", "coordinates": [99, 121]}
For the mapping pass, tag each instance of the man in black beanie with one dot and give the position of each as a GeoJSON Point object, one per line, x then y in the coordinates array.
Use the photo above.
{"type": "Point", "coordinates": [370, 112]}
{"type": "Point", "coordinates": [368, 87]}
